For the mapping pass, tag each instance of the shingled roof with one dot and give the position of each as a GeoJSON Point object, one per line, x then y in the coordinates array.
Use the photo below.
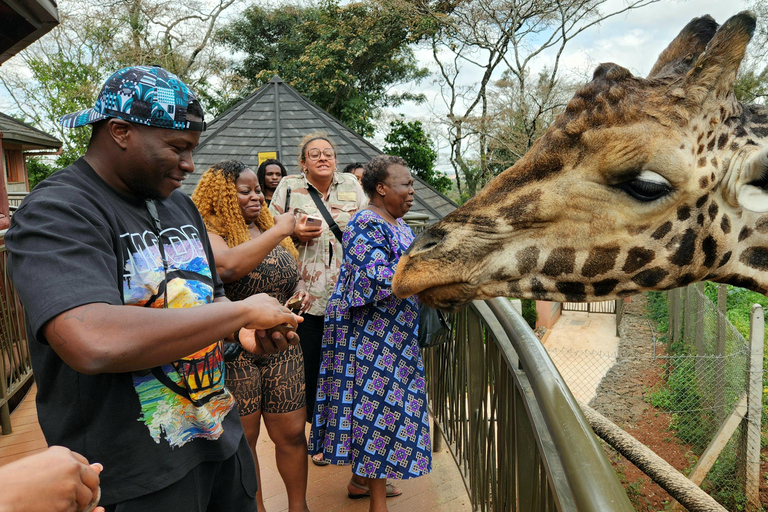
{"type": "Point", "coordinates": [28, 136]}
{"type": "Point", "coordinates": [275, 118]}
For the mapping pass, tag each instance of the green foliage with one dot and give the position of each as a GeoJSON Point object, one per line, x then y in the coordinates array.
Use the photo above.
{"type": "Point", "coordinates": [343, 58]}
{"type": "Point", "coordinates": [408, 140]}
{"type": "Point", "coordinates": [37, 170]}
{"type": "Point", "coordinates": [529, 312]}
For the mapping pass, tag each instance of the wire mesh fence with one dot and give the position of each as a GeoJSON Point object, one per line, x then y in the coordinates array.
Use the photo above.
{"type": "Point", "coordinates": [701, 367]}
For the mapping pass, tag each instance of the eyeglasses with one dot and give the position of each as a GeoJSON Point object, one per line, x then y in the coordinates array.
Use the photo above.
{"type": "Point", "coordinates": [314, 154]}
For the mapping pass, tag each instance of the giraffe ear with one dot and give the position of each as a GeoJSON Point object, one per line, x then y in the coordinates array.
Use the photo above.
{"type": "Point", "coordinates": [714, 73]}
{"type": "Point", "coordinates": [753, 182]}
{"type": "Point", "coordinates": [683, 51]}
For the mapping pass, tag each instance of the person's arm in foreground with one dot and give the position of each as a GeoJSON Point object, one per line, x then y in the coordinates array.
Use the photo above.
{"type": "Point", "coordinates": [56, 480]}
{"type": "Point", "coordinates": [103, 338]}
{"type": "Point", "coordinates": [232, 263]}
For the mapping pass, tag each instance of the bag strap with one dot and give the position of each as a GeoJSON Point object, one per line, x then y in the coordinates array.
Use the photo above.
{"type": "Point", "coordinates": [315, 195]}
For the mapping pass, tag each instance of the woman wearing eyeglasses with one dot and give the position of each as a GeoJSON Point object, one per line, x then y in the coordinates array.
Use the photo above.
{"type": "Point", "coordinates": [320, 251]}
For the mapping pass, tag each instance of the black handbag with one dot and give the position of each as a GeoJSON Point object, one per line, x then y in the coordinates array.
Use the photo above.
{"type": "Point", "coordinates": [434, 327]}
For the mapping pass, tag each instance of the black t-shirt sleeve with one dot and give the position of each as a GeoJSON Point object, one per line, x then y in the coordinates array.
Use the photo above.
{"type": "Point", "coordinates": [61, 256]}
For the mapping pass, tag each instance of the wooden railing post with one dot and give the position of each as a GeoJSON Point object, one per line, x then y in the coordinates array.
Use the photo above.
{"type": "Point", "coordinates": [5, 409]}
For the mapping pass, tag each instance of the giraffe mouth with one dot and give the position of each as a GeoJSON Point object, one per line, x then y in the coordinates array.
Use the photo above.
{"type": "Point", "coordinates": [448, 297]}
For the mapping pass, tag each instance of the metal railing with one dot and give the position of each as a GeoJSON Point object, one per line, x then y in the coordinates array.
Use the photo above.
{"type": "Point", "coordinates": [606, 306]}
{"type": "Point", "coordinates": [517, 434]}
{"type": "Point", "coordinates": [15, 363]}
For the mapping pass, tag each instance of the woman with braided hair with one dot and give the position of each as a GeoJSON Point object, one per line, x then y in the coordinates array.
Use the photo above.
{"type": "Point", "coordinates": [254, 254]}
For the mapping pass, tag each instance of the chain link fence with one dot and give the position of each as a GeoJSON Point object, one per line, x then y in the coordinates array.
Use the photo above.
{"type": "Point", "coordinates": [701, 368]}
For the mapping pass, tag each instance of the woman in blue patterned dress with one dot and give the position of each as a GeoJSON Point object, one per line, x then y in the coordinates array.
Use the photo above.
{"type": "Point", "coordinates": [371, 408]}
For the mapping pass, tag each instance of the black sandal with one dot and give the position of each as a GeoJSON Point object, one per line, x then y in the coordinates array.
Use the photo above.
{"type": "Point", "coordinates": [321, 462]}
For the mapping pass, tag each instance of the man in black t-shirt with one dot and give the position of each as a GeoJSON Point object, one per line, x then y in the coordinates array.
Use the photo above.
{"type": "Point", "coordinates": [125, 311]}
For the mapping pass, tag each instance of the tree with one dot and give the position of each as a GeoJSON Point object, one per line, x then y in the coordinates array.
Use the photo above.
{"type": "Point", "coordinates": [408, 140]}
{"type": "Point", "coordinates": [485, 38]}
{"type": "Point", "coordinates": [752, 83]}
{"type": "Point", "coordinates": [62, 72]}
{"type": "Point", "coordinates": [345, 58]}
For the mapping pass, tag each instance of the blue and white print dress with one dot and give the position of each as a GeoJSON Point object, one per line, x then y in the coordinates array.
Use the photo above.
{"type": "Point", "coordinates": [371, 408]}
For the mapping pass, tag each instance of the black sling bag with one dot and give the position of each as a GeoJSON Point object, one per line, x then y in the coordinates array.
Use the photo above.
{"type": "Point", "coordinates": [315, 195]}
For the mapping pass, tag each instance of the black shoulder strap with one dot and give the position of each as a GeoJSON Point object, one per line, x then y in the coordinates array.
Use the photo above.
{"type": "Point", "coordinates": [315, 195]}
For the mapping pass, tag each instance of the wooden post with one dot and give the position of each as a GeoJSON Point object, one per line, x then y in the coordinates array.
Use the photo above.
{"type": "Point", "coordinates": [688, 315]}
{"type": "Point", "coordinates": [5, 408]}
{"type": "Point", "coordinates": [678, 292]}
{"type": "Point", "coordinates": [701, 350]}
{"type": "Point", "coordinates": [751, 452]}
{"type": "Point", "coordinates": [719, 377]}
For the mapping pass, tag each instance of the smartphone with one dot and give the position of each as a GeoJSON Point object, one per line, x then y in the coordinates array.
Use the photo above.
{"type": "Point", "coordinates": [313, 221]}
{"type": "Point", "coordinates": [287, 200]}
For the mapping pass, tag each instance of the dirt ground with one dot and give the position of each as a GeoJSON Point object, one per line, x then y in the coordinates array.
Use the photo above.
{"type": "Point", "coordinates": [620, 398]}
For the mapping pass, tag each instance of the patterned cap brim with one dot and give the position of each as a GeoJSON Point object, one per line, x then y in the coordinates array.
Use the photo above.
{"type": "Point", "coordinates": [81, 118]}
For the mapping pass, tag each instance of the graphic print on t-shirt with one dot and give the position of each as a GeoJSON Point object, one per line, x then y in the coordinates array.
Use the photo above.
{"type": "Point", "coordinates": [186, 399]}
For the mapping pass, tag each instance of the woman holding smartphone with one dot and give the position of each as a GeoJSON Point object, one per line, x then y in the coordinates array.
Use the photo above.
{"type": "Point", "coordinates": [338, 196]}
{"type": "Point", "coordinates": [254, 254]}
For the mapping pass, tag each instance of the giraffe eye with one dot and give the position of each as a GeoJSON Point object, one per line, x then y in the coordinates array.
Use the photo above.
{"type": "Point", "coordinates": [647, 186]}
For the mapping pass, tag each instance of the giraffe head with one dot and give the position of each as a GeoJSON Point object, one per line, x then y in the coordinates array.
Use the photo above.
{"type": "Point", "coordinates": [641, 184]}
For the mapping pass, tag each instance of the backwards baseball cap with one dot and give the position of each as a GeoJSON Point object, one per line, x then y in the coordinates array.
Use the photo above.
{"type": "Point", "coordinates": [147, 95]}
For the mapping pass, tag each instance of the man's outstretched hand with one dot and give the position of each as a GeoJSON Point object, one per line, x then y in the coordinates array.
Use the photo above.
{"type": "Point", "coordinates": [272, 326]}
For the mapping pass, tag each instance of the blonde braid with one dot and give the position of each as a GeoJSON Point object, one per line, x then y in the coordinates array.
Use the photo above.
{"type": "Point", "coordinates": [216, 198]}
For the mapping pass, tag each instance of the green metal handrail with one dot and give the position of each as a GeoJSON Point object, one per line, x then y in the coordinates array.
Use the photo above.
{"type": "Point", "coordinates": [15, 362]}
{"type": "Point", "coordinates": [517, 434]}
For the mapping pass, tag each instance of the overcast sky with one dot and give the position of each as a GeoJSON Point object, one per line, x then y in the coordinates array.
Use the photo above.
{"type": "Point", "coordinates": [633, 40]}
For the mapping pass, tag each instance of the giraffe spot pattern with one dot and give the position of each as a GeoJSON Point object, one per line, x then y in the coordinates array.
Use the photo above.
{"type": "Point", "coordinates": [700, 219]}
{"type": "Point", "coordinates": [560, 261]}
{"type": "Point", "coordinates": [600, 260]}
{"type": "Point", "coordinates": [755, 257]}
{"type": "Point", "coordinates": [662, 231]}
{"type": "Point", "coordinates": [745, 282]}
{"type": "Point", "coordinates": [537, 289]}
{"type": "Point", "coordinates": [650, 278]}
{"type": "Point", "coordinates": [700, 201]}
{"type": "Point", "coordinates": [636, 230]}
{"type": "Point", "coordinates": [721, 140]}
{"type": "Point", "coordinates": [709, 247]}
{"type": "Point", "coordinates": [744, 233]}
{"type": "Point", "coordinates": [761, 226]}
{"type": "Point", "coordinates": [713, 209]}
{"type": "Point", "coordinates": [684, 212]}
{"type": "Point", "coordinates": [527, 259]}
{"type": "Point", "coordinates": [604, 287]}
{"type": "Point", "coordinates": [725, 224]}
{"type": "Point", "coordinates": [686, 279]}
{"type": "Point", "coordinates": [521, 208]}
{"type": "Point", "coordinates": [574, 292]}
{"type": "Point", "coordinates": [686, 244]}
{"type": "Point", "coordinates": [725, 259]}
{"type": "Point", "coordinates": [701, 163]}
{"type": "Point", "coordinates": [637, 258]}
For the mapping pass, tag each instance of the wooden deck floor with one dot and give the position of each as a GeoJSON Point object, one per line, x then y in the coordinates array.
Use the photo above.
{"type": "Point", "coordinates": [442, 490]}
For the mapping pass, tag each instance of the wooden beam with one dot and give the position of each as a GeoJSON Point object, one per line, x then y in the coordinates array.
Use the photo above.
{"type": "Point", "coordinates": [710, 455]}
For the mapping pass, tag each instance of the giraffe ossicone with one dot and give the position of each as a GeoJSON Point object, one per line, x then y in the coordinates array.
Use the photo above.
{"type": "Point", "coordinates": [641, 184]}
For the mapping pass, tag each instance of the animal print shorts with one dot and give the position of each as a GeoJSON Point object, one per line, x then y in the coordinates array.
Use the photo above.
{"type": "Point", "coordinates": [272, 383]}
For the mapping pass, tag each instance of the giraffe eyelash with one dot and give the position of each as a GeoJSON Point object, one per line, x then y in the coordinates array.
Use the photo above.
{"type": "Point", "coordinates": [646, 187]}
